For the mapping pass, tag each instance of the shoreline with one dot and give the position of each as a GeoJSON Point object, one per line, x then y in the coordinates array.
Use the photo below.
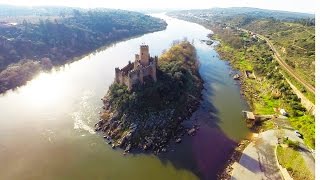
{"type": "Point", "coordinates": [236, 153]}
{"type": "Point", "coordinates": [235, 156]}
{"type": "Point", "coordinates": [42, 64]}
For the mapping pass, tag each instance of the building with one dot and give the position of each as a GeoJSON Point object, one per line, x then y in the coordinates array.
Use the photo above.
{"type": "Point", "coordinates": [135, 72]}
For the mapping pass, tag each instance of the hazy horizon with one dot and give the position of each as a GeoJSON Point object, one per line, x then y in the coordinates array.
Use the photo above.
{"type": "Point", "coordinates": [302, 6]}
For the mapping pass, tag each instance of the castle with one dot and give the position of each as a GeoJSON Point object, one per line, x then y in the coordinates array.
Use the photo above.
{"type": "Point", "coordinates": [134, 73]}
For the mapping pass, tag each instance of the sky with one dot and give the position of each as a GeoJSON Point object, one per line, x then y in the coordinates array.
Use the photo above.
{"type": "Point", "coordinates": [308, 6]}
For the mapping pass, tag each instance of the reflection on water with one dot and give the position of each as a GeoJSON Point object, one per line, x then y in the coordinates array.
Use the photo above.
{"type": "Point", "coordinates": [46, 126]}
{"type": "Point", "coordinates": [83, 115]}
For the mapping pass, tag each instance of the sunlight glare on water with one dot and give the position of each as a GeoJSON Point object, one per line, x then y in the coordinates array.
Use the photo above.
{"type": "Point", "coordinates": [47, 126]}
{"type": "Point", "coordinates": [46, 90]}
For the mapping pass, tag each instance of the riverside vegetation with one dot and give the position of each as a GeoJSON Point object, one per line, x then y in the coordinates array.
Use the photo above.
{"type": "Point", "coordinates": [151, 115]}
{"type": "Point", "coordinates": [291, 33]}
{"type": "Point", "coordinates": [36, 39]}
{"type": "Point", "coordinates": [270, 90]}
{"type": "Point", "coordinates": [247, 52]}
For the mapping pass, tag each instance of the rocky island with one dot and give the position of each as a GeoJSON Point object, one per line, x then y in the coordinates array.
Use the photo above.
{"type": "Point", "coordinates": [149, 99]}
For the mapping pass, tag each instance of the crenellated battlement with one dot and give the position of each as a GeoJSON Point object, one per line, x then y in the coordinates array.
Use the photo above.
{"type": "Point", "coordinates": [134, 73]}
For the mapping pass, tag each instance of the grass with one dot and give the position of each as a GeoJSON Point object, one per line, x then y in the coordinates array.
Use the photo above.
{"type": "Point", "coordinates": [294, 163]}
{"type": "Point", "coordinates": [264, 103]}
{"type": "Point", "coordinates": [309, 95]}
{"type": "Point", "coordinates": [267, 125]}
{"type": "Point", "coordinates": [293, 41]}
{"type": "Point", "coordinates": [306, 125]}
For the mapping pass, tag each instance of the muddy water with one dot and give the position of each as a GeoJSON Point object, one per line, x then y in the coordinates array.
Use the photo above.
{"type": "Point", "coordinates": [46, 126]}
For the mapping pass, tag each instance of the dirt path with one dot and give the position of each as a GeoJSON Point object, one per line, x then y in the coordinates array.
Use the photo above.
{"type": "Point", "coordinates": [284, 65]}
{"type": "Point", "coordinates": [304, 101]}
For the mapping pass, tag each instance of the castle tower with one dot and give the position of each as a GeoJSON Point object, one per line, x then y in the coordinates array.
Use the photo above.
{"type": "Point", "coordinates": [136, 61]}
{"type": "Point", "coordinates": [144, 55]}
{"type": "Point", "coordinates": [129, 83]}
{"type": "Point", "coordinates": [134, 73]}
{"type": "Point", "coordinates": [118, 74]}
{"type": "Point", "coordinates": [154, 69]}
{"type": "Point", "coordinates": [136, 57]}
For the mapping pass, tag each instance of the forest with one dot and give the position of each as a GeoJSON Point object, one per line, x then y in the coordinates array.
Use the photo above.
{"type": "Point", "coordinates": [42, 38]}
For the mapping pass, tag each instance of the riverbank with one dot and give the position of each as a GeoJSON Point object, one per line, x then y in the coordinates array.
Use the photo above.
{"type": "Point", "coordinates": [150, 116]}
{"type": "Point", "coordinates": [269, 91]}
{"type": "Point", "coordinates": [30, 47]}
{"type": "Point", "coordinates": [266, 91]}
{"type": "Point", "coordinates": [63, 122]}
{"type": "Point", "coordinates": [234, 158]}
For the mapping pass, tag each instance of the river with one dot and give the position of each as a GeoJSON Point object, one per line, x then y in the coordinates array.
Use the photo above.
{"type": "Point", "coordinates": [46, 126]}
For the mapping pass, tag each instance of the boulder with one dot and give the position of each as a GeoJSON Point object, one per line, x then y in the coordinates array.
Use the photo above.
{"type": "Point", "coordinates": [236, 77]}
{"type": "Point", "coordinates": [128, 148]}
{"type": "Point", "coordinates": [192, 132]}
{"type": "Point", "coordinates": [145, 147]}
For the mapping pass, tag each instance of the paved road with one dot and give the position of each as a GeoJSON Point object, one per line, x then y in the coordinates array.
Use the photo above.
{"type": "Point", "coordinates": [284, 65]}
{"type": "Point", "coordinates": [258, 160]}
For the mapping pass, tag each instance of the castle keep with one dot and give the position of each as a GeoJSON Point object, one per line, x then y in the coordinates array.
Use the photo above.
{"type": "Point", "coordinates": [134, 73]}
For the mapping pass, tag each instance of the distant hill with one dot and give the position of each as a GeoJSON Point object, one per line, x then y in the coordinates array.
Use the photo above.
{"type": "Point", "coordinates": [9, 10]}
{"type": "Point", "coordinates": [33, 39]}
{"type": "Point", "coordinates": [249, 14]}
{"type": "Point", "coordinates": [292, 33]}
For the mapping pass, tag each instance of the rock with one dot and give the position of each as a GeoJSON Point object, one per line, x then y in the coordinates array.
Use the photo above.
{"type": "Point", "coordinates": [209, 42]}
{"type": "Point", "coordinates": [192, 132]}
{"type": "Point", "coordinates": [128, 148]}
{"type": "Point", "coordinates": [113, 146]}
{"type": "Point", "coordinates": [178, 140]}
{"type": "Point", "coordinates": [236, 77]}
{"type": "Point", "coordinates": [123, 141]}
{"type": "Point", "coordinates": [105, 128]}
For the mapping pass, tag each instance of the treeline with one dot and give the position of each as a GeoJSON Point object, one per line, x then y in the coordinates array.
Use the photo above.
{"type": "Point", "coordinates": [293, 34]}
{"type": "Point", "coordinates": [60, 39]}
{"type": "Point", "coordinates": [270, 90]}
{"type": "Point", "coordinates": [245, 15]}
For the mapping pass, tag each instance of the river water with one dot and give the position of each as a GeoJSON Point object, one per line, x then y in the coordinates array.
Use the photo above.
{"type": "Point", "coordinates": [46, 126]}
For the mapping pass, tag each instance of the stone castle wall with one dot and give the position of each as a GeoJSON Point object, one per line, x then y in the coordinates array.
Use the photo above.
{"type": "Point", "coordinates": [134, 73]}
